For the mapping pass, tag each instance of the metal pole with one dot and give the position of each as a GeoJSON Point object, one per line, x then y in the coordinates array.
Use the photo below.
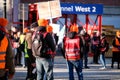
{"type": "Point", "coordinates": [5, 9]}
{"type": "Point", "coordinates": [23, 17]}
{"type": "Point", "coordinates": [50, 12]}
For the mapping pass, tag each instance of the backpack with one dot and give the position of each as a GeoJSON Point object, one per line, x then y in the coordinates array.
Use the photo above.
{"type": "Point", "coordinates": [39, 45]}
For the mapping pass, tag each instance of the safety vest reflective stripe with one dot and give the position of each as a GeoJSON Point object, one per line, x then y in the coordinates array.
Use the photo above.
{"type": "Point", "coordinates": [2, 61]}
{"type": "Point", "coordinates": [2, 52]}
{"type": "Point", "coordinates": [3, 49]}
{"type": "Point", "coordinates": [73, 54]}
{"type": "Point", "coordinates": [72, 50]}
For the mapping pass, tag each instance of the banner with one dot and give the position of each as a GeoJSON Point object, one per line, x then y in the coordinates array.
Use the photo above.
{"type": "Point", "coordinates": [50, 9]}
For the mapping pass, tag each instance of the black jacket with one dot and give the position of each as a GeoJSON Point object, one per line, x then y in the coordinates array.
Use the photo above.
{"type": "Point", "coordinates": [49, 39]}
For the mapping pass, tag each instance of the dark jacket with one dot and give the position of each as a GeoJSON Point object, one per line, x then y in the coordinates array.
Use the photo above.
{"type": "Point", "coordinates": [49, 39]}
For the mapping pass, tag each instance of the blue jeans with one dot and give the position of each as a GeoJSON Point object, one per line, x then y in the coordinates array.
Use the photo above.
{"type": "Point", "coordinates": [78, 64]}
{"type": "Point", "coordinates": [44, 67]}
{"type": "Point", "coordinates": [102, 59]}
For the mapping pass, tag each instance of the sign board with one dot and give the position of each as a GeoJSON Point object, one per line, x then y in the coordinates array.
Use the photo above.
{"type": "Point", "coordinates": [56, 28]}
{"type": "Point", "coordinates": [32, 1]}
{"type": "Point", "coordinates": [50, 9]}
{"type": "Point", "coordinates": [71, 8]}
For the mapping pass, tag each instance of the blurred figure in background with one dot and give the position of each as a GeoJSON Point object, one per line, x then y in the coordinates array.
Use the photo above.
{"type": "Point", "coordinates": [21, 48]}
{"type": "Point", "coordinates": [103, 47]}
{"type": "Point", "coordinates": [29, 58]}
{"type": "Point", "coordinates": [95, 45]}
{"type": "Point", "coordinates": [116, 50]}
{"type": "Point", "coordinates": [86, 44]}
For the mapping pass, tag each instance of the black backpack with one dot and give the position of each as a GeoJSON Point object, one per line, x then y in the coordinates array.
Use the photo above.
{"type": "Point", "coordinates": [39, 45]}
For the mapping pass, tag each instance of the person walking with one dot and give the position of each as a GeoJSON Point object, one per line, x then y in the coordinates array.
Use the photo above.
{"type": "Point", "coordinates": [103, 47]}
{"type": "Point", "coordinates": [44, 64]}
{"type": "Point", "coordinates": [116, 50]}
{"type": "Point", "coordinates": [95, 45]}
{"type": "Point", "coordinates": [73, 46]}
{"type": "Point", "coordinates": [7, 67]}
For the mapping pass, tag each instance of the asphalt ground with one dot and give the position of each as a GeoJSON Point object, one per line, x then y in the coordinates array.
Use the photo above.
{"type": "Point", "coordinates": [93, 73]}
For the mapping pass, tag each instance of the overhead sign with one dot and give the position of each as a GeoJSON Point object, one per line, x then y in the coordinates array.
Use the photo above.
{"type": "Point", "coordinates": [70, 8]}
{"type": "Point", "coordinates": [32, 1]}
{"type": "Point", "coordinates": [50, 9]}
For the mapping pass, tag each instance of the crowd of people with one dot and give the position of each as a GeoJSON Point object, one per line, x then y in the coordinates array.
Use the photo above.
{"type": "Point", "coordinates": [19, 50]}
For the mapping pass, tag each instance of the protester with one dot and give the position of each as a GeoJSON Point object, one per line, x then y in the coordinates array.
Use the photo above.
{"type": "Point", "coordinates": [21, 48]}
{"type": "Point", "coordinates": [86, 43]}
{"type": "Point", "coordinates": [95, 45]}
{"type": "Point", "coordinates": [72, 43]}
{"type": "Point", "coordinates": [116, 50]}
{"type": "Point", "coordinates": [103, 47]}
{"type": "Point", "coordinates": [44, 64]}
{"type": "Point", "coordinates": [29, 58]}
{"type": "Point", "coordinates": [7, 67]}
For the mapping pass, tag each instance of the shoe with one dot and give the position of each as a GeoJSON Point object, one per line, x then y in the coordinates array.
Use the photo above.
{"type": "Point", "coordinates": [102, 68]}
{"type": "Point", "coordinates": [86, 67]}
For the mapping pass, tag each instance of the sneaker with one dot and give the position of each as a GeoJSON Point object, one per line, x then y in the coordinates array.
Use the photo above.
{"type": "Point", "coordinates": [103, 68]}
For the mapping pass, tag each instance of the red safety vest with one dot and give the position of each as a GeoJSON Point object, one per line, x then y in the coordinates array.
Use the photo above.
{"type": "Point", "coordinates": [103, 48]}
{"type": "Point", "coordinates": [72, 48]}
{"type": "Point", "coordinates": [3, 49]}
{"type": "Point", "coordinates": [114, 49]}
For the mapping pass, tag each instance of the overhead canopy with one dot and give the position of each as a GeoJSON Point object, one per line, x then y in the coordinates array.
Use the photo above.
{"type": "Point", "coordinates": [32, 1]}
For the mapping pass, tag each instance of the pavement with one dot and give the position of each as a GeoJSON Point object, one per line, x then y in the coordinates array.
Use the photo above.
{"type": "Point", "coordinates": [61, 72]}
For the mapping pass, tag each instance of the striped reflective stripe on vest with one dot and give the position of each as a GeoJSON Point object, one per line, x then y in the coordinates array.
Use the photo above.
{"type": "Point", "coordinates": [3, 49]}
{"type": "Point", "coordinates": [72, 48]}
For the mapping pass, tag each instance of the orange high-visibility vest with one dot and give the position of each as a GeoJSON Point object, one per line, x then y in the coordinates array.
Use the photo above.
{"type": "Point", "coordinates": [114, 49]}
{"type": "Point", "coordinates": [72, 48]}
{"type": "Point", "coordinates": [3, 49]}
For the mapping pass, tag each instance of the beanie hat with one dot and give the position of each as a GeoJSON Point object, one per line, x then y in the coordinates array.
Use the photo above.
{"type": "Point", "coordinates": [26, 30]}
{"type": "Point", "coordinates": [42, 22]}
{"type": "Point", "coordinates": [74, 28]}
{"type": "Point", "coordinates": [3, 22]}
{"type": "Point", "coordinates": [49, 28]}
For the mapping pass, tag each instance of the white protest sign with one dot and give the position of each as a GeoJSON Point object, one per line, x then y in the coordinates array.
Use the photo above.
{"type": "Point", "coordinates": [56, 28]}
{"type": "Point", "coordinates": [49, 9]}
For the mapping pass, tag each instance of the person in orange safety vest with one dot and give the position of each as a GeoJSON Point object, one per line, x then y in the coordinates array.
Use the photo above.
{"type": "Point", "coordinates": [73, 44]}
{"type": "Point", "coordinates": [116, 50]}
{"type": "Point", "coordinates": [7, 68]}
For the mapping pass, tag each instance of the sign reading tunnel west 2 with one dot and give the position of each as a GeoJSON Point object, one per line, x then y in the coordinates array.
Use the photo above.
{"type": "Point", "coordinates": [70, 8]}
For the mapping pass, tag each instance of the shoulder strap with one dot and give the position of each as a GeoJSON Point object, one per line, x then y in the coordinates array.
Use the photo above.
{"type": "Point", "coordinates": [45, 34]}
